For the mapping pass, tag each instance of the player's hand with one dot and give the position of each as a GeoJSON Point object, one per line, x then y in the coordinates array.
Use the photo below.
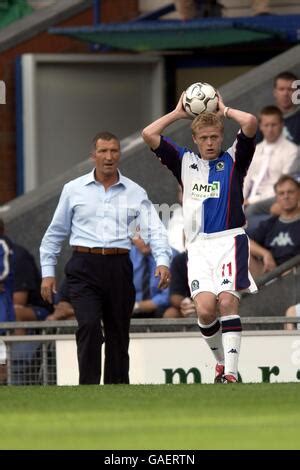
{"type": "Point", "coordinates": [180, 111]}
{"type": "Point", "coordinates": [221, 105]}
{"type": "Point", "coordinates": [164, 274]}
{"type": "Point", "coordinates": [48, 288]}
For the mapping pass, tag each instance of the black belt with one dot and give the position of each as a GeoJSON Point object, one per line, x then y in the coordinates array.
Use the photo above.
{"type": "Point", "coordinates": [101, 251]}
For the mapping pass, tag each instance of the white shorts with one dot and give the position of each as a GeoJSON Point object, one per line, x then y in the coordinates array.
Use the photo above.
{"type": "Point", "coordinates": [219, 262]}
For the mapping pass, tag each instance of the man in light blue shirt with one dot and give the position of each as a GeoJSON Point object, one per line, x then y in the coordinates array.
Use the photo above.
{"type": "Point", "coordinates": [100, 212]}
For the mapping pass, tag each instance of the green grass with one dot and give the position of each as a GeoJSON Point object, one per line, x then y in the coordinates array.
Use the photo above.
{"type": "Point", "coordinates": [232, 416]}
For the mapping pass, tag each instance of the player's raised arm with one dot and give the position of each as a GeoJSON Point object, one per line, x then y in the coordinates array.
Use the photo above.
{"type": "Point", "coordinates": [151, 134]}
{"type": "Point", "coordinates": [246, 121]}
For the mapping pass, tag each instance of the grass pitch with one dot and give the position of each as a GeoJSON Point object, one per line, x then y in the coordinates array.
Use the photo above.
{"type": "Point", "coordinates": [232, 416]}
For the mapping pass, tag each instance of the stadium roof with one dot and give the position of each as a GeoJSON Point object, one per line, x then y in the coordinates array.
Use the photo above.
{"type": "Point", "coordinates": [176, 34]}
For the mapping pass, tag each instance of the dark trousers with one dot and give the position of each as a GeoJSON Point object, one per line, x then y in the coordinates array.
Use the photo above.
{"type": "Point", "coordinates": [102, 293]}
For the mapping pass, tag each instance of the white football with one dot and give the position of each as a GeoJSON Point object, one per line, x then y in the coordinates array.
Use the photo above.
{"type": "Point", "coordinates": [200, 98]}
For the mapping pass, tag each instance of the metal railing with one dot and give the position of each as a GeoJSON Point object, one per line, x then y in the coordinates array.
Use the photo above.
{"type": "Point", "coordinates": [137, 325]}
{"type": "Point", "coordinates": [31, 358]}
{"type": "Point", "coordinates": [278, 271]}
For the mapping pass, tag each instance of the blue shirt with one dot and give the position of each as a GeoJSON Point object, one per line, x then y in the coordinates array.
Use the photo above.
{"type": "Point", "coordinates": [27, 277]}
{"type": "Point", "coordinates": [93, 217]}
{"type": "Point", "coordinates": [212, 189]}
{"type": "Point", "coordinates": [7, 312]}
{"type": "Point", "coordinates": [158, 296]}
{"type": "Point", "coordinates": [281, 237]}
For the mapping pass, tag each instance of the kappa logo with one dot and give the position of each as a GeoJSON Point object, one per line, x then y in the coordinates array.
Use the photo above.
{"type": "Point", "coordinates": [220, 166]}
{"type": "Point", "coordinates": [194, 285]}
{"type": "Point", "coordinates": [282, 239]}
{"type": "Point", "coordinates": [233, 351]}
{"type": "Point", "coordinates": [225, 281]}
{"type": "Point", "coordinates": [194, 166]}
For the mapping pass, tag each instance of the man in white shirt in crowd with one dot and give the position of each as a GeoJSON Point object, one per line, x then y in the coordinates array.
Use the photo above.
{"type": "Point", "coordinates": [274, 156]}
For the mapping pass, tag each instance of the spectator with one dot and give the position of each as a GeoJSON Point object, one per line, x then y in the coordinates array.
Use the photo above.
{"type": "Point", "coordinates": [277, 239]}
{"type": "Point", "coordinates": [274, 156]}
{"type": "Point", "coordinates": [6, 293]}
{"type": "Point", "coordinates": [293, 311]}
{"type": "Point", "coordinates": [187, 9]}
{"type": "Point", "coordinates": [150, 300]}
{"type": "Point", "coordinates": [28, 303]}
{"type": "Point", "coordinates": [6, 278]}
{"type": "Point", "coordinates": [283, 92]}
{"type": "Point", "coordinates": [191, 9]}
{"type": "Point", "coordinates": [260, 7]}
{"type": "Point", "coordinates": [180, 296]}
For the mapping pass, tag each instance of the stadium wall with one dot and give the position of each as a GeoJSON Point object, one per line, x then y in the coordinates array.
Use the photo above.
{"type": "Point", "coordinates": [167, 358]}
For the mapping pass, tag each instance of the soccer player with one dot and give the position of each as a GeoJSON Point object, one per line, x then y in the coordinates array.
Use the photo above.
{"type": "Point", "coordinates": [218, 248]}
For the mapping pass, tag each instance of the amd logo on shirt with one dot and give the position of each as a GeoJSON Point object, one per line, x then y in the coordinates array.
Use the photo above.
{"type": "Point", "coordinates": [204, 191]}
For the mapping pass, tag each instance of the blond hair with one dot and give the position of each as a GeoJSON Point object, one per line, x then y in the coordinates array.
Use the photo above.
{"type": "Point", "coordinates": [207, 120]}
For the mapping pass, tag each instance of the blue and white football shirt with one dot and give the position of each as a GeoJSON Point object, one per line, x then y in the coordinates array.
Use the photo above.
{"type": "Point", "coordinates": [212, 189]}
